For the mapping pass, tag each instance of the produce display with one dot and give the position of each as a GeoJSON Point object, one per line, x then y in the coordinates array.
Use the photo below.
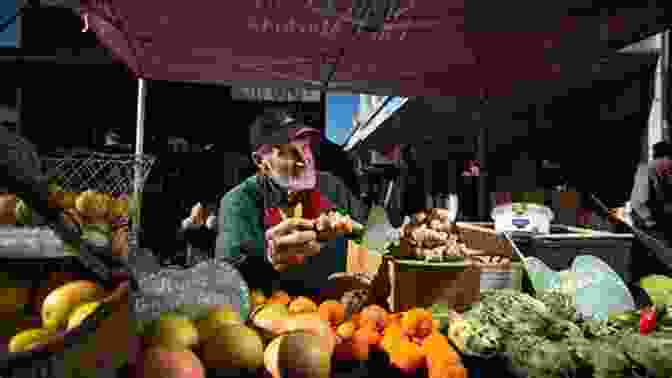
{"type": "Point", "coordinates": [63, 308]}
{"type": "Point", "coordinates": [430, 236]}
{"type": "Point", "coordinates": [295, 337]}
{"type": "Point", "coordinates": [545, 336]}
{"type": "Point", "coordinates": [102, 217]}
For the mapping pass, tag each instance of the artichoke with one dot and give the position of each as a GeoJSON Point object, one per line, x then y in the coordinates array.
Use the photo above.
{"type": "Point", "coordinates": [649, 352]}
{"type": "Point", "coordinates": [559, 304]}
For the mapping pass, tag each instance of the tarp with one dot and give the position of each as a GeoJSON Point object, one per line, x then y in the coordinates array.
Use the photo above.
{"type": "Point", "coordinates": [428, 48]}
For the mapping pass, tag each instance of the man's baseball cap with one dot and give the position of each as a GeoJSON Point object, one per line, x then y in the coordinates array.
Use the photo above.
{"type": "Point", "coordinates": [662, 149]}
{"type": "Point", "coordinates": [278, 127]}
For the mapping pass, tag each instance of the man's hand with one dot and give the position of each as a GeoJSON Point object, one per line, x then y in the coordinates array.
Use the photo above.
{"type": "Point", "coordinates": [616, 216]}
{"type": "Point", "coordinates": [292, 240]}
{"type": "Point", "coordinates": [199, 214]}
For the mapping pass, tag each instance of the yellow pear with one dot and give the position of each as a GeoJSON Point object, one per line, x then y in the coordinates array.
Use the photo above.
{"type": "Point", "coordinates": [62, 301]}
{"type": "Point", "coordinates": [80, 313]}
{"type": "Point", "coordinates": [28, 339]}
{"type": "Point", "coordinates": [173, 330]}
{"type": "Point", "coordinates": [217, 318]}
{"type": "Point", "coordinates": [234, 346]}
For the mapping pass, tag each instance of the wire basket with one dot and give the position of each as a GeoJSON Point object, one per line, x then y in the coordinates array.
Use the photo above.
{"type": "Point", "coordinates": [116, 174]}
{"type": "Point", "coordinates": [108, 173]}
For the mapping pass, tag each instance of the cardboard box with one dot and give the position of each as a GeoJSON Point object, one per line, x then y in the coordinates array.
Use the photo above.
{"type": "Point", "coordinates": [422, 285]}
{"type": "Point", "coordinates": [402, 285]}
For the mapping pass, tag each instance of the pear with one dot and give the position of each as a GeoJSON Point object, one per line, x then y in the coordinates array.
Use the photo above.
{"type": "Point", "coordinates": [215, 319]}
{"type": "Point", "coordinates": [233, 346]}
{"type": "Point", "coordinates": [173, 330]}
{"type": "Point", "coordinates": [62, 301]}
{"type": "Point", "coordinates": [28, 339]}
{"type": "Point", "coordinates": [80, 313]}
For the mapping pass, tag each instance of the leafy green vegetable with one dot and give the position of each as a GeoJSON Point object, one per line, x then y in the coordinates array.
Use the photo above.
{"type": "Point", "coordinates": [563, 329]}
{"type": "Point", "coordinates": [24, 214]}
{"type": "Point", "coordinates": [593, 328]}
{"type": "Point", "coordinates": [481, 338]}
{"type": "Point", "coordinates": [561, 305]}
{"type": "Point", "coordinates": [511, 311]}
{"type": "Point", "coordinates": [548, 358]}
{"type": "Point", "coordinates": [608, 360]}
{"type": "Point", "coordinates": [649, 352]}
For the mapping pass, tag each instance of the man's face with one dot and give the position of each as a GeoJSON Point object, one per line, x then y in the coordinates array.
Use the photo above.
{"type": "Point", "coordinates": [290, 165]}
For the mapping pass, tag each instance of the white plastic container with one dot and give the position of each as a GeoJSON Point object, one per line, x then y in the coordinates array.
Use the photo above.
{"type": "Point", "coordinates": [521, 216]}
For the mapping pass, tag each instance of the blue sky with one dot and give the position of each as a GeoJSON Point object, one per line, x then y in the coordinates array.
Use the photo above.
{"type": "Point", "coordinates": [8, 37]}
{"type": "Point", "coordinates": [340, 109]}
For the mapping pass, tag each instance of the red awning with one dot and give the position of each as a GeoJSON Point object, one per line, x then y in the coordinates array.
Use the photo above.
{"type": "Point", "coordinates": [430, 48]}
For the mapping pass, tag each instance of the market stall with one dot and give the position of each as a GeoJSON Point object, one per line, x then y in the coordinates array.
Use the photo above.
{"type": "Point", "coordinates": [324, 72]}
{"type": "Point", "coordinates": [314, 337]}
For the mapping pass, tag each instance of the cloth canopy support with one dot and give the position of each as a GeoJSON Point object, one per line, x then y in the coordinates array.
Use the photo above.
{"type": "Point", "coordinates": [139, 147]}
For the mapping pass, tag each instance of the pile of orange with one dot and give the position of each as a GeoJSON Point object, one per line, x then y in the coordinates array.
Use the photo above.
{"type": "Point", "coordinates": [411, 339]}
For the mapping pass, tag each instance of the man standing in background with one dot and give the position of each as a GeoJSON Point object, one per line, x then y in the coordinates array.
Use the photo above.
{"type": "Point", "coordinates": [651, 202]}
{"type": "Point", "coordinates": [651, 196]}
{"type": "Point", "coordinates": [113, 145]}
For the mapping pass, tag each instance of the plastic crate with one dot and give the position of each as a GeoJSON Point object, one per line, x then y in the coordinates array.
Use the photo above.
{"type": "Point", "coordinates": [95, 349]}
{"type": "Point", "coordinates": [559, 248]}
{"type": "Point", "coordinates": [558, 252]}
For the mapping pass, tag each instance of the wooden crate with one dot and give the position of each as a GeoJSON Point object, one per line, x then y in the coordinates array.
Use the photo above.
{"type": "Point", "coordinates": [482, 237]}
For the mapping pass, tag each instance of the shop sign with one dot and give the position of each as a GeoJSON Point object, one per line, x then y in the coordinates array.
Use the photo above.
{"type": "Point", "coordinates": [331, 27]}
{"type": "Point", "coordinates": [276, 94]}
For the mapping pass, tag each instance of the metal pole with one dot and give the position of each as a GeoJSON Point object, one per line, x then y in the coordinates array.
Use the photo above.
{"type": "Point", "coordinates": [665, 84]}
{"type": "Point", "coordinates": [139, 151]}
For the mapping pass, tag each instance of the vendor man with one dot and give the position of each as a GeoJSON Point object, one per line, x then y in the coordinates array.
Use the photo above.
{"type": "Point", "coordinates": [255, 220]}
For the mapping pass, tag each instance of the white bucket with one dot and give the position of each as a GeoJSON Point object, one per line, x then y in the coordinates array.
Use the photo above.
{"type": "Point", "coordinates": [497, 280]}
{"type": "Point", "coordinates": [521, 216]}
